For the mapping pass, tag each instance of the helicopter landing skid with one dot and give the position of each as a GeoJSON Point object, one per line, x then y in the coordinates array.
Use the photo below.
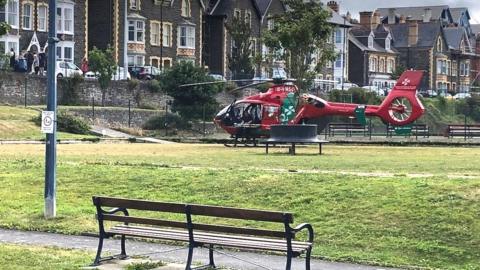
{"type": "Point", "coordinates": [243, 142]}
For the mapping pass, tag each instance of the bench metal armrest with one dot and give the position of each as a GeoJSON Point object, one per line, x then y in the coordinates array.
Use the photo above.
{"type": "Point", "coordinates": [302, 227]}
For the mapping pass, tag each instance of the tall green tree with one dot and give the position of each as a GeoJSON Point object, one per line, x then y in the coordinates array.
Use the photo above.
{"type": "Point", "coordinates": [192, 101]}
{"type": "Point", "coordinates": [240, 61]}
{"type": "Point", "coordinates": [300, 36]}
{"type": "Point", "coordinates": [102, 63]}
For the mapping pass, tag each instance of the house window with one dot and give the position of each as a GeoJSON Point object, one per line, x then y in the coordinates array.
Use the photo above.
{"type": "Point", "coordinates": [136, 31]}
{"type": "Point", "coordinates": [439, 45]}
{"type": "Point", "coordinates": [65, 18]}
{"type": "Point", "coordinates": [237, 13]}
{"type": "Point", "coordinates": [155, 61]}
{"type": "Point", "coordinates": [338, 62]}
{"type": "Point", "coordinates": [186, 37]}
{"type": "Point", "coordinates": [270, 24]}
{"type": "Point", "coordinates": [155, 33]}
{"type": "Point", "coordinates": [186, 8]}
{"type": "Point", "coordinates": [381, 67]}
{"type": "Point", "coordinates": [65, 51]}
{"type": "Point", "coordinates": [42, 18]}
{"type": "Point", "coordinates": [167, 35]}
{"type": "Point", "coordinates": [390, 65]}
{"type": "Point", "coordinates": [135, 4]}
{"type": "Point", "coordinates": [253, 47]}
{"type": "Point", "coordinates": [388, 43]}
{"type": "Point", "coordinates": [370, 41]}
{"type": "Point", "coordinates": [338, 36]}
{"type": "Point", "coordinates": [9, 13]}
{"type": "Point", "coordinates": [248, 18]}
{"type": "Point", "coordinates": [136, 60]}
{"type": "Point", "coordinates": [27, 16]}
{"type": "Point", "coordinates": [167, 62]}
{"type": "Point", "coordinates": [8, 42]}
{"type": "Point", "coordinates": [454, 68]}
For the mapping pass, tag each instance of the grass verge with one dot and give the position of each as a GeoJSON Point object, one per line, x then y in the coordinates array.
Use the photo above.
{"type": "Point", "coordinates": [20, 257]}
{"type": "Point", "coordinates": [386, 205]}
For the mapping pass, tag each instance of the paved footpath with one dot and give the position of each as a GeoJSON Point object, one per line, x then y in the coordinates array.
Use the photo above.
{"type": "Point", "coordinates": [170, 253]}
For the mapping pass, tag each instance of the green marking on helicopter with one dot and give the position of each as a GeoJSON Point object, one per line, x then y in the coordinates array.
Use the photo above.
{"type": "Point", "coordinates": [288, 108]}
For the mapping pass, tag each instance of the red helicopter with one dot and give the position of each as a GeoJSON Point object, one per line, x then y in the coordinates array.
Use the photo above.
{"type": "Point", "coordinates": [252, 116]}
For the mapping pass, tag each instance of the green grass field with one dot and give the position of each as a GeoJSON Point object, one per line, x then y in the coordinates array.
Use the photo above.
{"type": "Point", "coordinates": [398, 206]}
{"type": "Point", "coordinates": [16, 124]}
{"type": "Point", "coordinates": [21, 257]}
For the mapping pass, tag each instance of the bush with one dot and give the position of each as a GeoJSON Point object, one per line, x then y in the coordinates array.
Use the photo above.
{"type": "Point", "coordinates": [154, 86]}
{"type": "Point", "coordinates": [354, 95]}
{"type": "Point", "coordinates": [67, 123]}
{"type": "Point", "coordinates": [173, 121]}
{"type": "Point", "coordinates": [70, 87]}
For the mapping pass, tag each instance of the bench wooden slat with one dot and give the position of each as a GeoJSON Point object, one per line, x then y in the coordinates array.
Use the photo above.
{"type": "Point", "coordinates": [245, 214]}
{"type": "Point", "coordinates": [146, 221]}
{"type": "Point", "coordinates": [211, 234]}
{"type": "Point", "coordinates": [140, 204]}
{"type": "Point", "coordinates": [211, 240]}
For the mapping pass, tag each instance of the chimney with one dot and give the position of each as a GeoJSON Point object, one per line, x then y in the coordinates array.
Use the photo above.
{"type": "Point", "coordinates": [366, 18]}
{"type": "Point", "coordinates": [348, 17]}
{"type": "Point", "coordinates": [412, 33]}
{"type": "Point", "coordinates": [427, 16]}
{"type": "Point", "coordinates": [403, 19]}
{"type": "Point", "coordinates": [375, 20]}
{"type": "Point", "coordinates": [391, 16]}
{"type": "Point", "coordinates": [333, 5]}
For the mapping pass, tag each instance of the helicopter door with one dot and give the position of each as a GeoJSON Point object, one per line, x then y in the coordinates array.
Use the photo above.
{"type": "Point", "coordinates": [270, 115]}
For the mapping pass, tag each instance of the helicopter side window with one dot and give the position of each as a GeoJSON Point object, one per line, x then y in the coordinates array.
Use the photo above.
{"type": "Point", "coordinates": [252, 114]}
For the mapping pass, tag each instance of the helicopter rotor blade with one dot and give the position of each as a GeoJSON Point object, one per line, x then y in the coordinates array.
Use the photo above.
{"type": "Point", "coordinates": [215, 82]}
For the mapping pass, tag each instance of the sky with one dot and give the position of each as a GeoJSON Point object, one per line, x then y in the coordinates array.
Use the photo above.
{"type": "Point", "coordinates": [355, 6]}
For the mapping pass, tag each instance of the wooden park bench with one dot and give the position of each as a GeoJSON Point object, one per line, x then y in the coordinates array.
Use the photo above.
{"type": "Point", "coordinates": [348, 129]}
{"type": "Point", "coordinates": [417, 130]}
{"type": "Point", "coordinates": [466, 131]}
{"type": "Point", "coordinates": [198, 234]}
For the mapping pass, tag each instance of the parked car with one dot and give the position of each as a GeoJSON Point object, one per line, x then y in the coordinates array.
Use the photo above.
{"type": "Point", "coordinates": [462, 96]}
{"type": "Point", "coordinates": [446, 95]}
{"type": "Point", "coordinates": [346, 86]}
{"type": "Point", "coordinates": [119, 75]}
{"type": "Point", "coordinates": [66, 69]}
{"type": "Point", "coordinates": [428, 93]}
{"type": "Point", "coordinates": [145, 72]}
{"type": "Point", "coordinates": [217, 77]}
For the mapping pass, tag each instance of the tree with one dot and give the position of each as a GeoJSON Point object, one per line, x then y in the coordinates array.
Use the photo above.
{"type": "Point", "coordinates": [240, 62]}
{"type": "Point", "coordinates": [103, 64]}
{"type": "Point", "coordinates": [190, 102]}
{"type": "Point", "coordinates": [398, 72]}
{"type": "Point", "coordinates": [299, 35]}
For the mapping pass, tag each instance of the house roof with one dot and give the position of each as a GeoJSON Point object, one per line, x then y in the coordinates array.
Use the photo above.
{"type": "Point", "coordinates": [454, 36]}
{"type": "Point", "coordinates": [336, 18]}
{"type": "Point", "coordinates": [415, 13]}
{"type": "Point", "coordinates": [359, 36]}
{"type": "Point", "coordinates": [427, 34]}
{"type": "Point", "coordinates": [224, 7]}
{"type": "Point", "coordinates": [457, 13]}
{"type": "Point", "coordinates": [262, 6]}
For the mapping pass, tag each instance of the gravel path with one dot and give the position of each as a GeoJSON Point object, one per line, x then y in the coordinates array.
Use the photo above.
{"type": "Point", "coordinates": [169, 253]}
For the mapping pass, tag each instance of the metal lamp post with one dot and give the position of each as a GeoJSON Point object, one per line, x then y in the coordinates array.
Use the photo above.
{"type": "Point", "coordinates": [51, 140]}
{"type": "Point", "coordinates": [162, 2]}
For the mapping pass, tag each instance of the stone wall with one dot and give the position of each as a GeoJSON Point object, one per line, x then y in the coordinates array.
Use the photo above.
{"type": "Point", "coordinates": [15, 86]}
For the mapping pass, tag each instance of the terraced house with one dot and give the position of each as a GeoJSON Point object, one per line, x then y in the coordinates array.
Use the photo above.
{"type": "Point", "coordinates": [160, 32]}
{"type": "Point", "coordinates": [219, 45]}
{"type": "Point", "coordinates": [437, 39]}
{"type": "Point", "coordinates": [29, 23]}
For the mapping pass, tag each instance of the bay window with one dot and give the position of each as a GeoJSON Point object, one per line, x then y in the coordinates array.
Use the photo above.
{"type": "Point", "coordinates": [65, 18]}
{"type": "Point", "coordinates": [65, 51]}
{"type": "Point", "coordinates": [9, 13]}
{"type": "Point", "coordinates": [186, 37]}
{"type": "Point", "coordinates": [136, 31]}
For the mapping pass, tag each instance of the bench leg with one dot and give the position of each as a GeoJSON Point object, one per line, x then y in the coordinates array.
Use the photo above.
{"type": "Point", "coordinates": [123, 253]}
{"type": "Point", "coordinates": [307, 259]}
{"type": "Point", "coordinates": [289, 262]}
{"type": "Point", "coordinates": [210, 256]}
{"type": "Point", "coordinates": [188, 266]}
{"type": "Point", "coordinates": [99, 251]}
